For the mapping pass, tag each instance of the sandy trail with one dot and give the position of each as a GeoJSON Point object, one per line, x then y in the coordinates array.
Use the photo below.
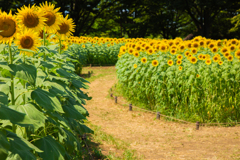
{"type": "Point", "coordinates": [158, 139]}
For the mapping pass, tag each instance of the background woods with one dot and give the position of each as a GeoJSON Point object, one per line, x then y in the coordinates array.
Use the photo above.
{"type": "Point", "coordinates": [144, 18]}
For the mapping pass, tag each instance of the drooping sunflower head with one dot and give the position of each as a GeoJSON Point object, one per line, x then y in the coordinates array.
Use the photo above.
{"type": "Point", "coordinates": [193, 60]}
{"type": "Point", "coordinates": [155, 63]}
{"type": "Point", "coordinates": [31, 18]}
{"type": "Point", "coordinates": [170, 62]}
{"type": "Point", "coordinates": [66, 27]}
{"type": "Point", "coordinates": [27, 39]}
{"type": "Point", "coordinates": [144, 60]}
{"type": "Point", "coordinates": [8, 27]}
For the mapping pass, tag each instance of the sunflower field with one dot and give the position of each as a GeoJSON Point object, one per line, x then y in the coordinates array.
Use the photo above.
{"type": "Point", "coordinates": [95, 51]}
{"type": "Point", "coordinates": [41, 102]}
{"type": "Point", "coordinates": [194, 80]}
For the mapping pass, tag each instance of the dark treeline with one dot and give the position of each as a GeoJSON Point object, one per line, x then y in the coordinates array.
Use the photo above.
{"type": "Point", "coordinates": [145, 18]}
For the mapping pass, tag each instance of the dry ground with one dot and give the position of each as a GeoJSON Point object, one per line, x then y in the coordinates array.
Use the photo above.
{"type": "Point", "coordinates": [151, 138]}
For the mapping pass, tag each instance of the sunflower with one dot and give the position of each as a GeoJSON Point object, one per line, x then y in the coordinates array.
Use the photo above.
{"type": "Point", "coordinates": [136, 54]}
{"type": "Point", "coordinates": [130, 51]}
{"type": "Point", "coordinates": [147, 47]}
{"type": "Point", "coordinates": [173, 51]}
{"type": "Point", "coordinates": [230, 58]}
{"type": "Point", "coordinates": [197, 75]}
{"type": "Point", "coordinates": [232, 48]}
{"type": "Point", "coordinates": [220, 62]}
{"type": "Point", "coordinates": [194, 51]}
{"type": "Point", "coordinates": [186, 53]}
{"type": "Point", "coordinates": [8, 27]}
{"type": "Point", "coordinates": [193, 60]}
{"type": "Point", "coordinates": [226, 54]}
{"type": "Point", "coordinates": [211, 45]}
{"type": "Point", "coordinates": [28, 39]}
{"type": "Point", "coordinates": [216, 58]}
{"type": "Point", "coordinates": [224, 49]}
{"type": "Point", "coordinates": [237, 54]}
{"type": "Point", "coordinates": [234, 41]}
{"type": "Point", "coordinates": [119, 55]}
{"type": "Point", "coordinates": [181, 47]}
{"type": "Point", "coordinates": [214, 49]}
{"type": "Point", "coordinates": [195, 44]}
{"type": "Point", "coordinates": [163, 48]}
{"type": "Point", "coordinates": [64, 46]}
{"type": "Point", "coordinates": [180, 57]}
{"type": "Point", "coordinates": [202, 43]}
{"type": "Point", "coordinates": [83, 46]}
{"type": "Point", "coordinates": [144, 60]}
{"type": "Point", "coordinates": [219, 43]}
{"type": "Point", "coordinates": [179, 62]}
{"type": "Point", "coordinates": [66, 27]}
{"type": "Point", "coordinates": [170, 62]}
{"type": "Point", "coordinates": [138, 48]}
{"type": "Point", "coordinates": [155, 63]}
{"type": "Point", "coordinates": [123, 49]}
{"type": "Point", "coordinates": [150, 51]}
{"type": "Point", "coordinates": [200, 56]}
{"type": "Point", "coordinates": [208, 61]}
{"type": "Point", "coordinates": [31, 18]}
{"type": "Point", "coordinates": [52, 16]}
{"type": "Point", "coordinates": [135, 65]}
{"type": "Point", "coordinates": [180, 68]}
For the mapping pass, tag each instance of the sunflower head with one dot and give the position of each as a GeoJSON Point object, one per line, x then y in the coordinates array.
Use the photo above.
{"type": "Point", "coordinates": [8, 27]}
{"type": "Point", "coordinates": [200, 56]}
{"type": "Point", "coordinates": [194, 51]}
{"type": "Point", "coordinates": [232, 48]}
{"type": "Point", "coordinates": [180, 57]}
{"type": "Point", "coordinates": [170, 62]}
{"type": "Point", "coordinates": [237, 54]}
{"type": "Point", "coordinates": [180, 68]}
{"type": "Point", "coordinates": [66, 27]}
{"type": "Point", "coordinates": [193, 60]}
{"type": "Point", "coordinates": [130, 51]}
{"type": "Point", "coordinates": [135, 65]}
{"type": "Point", "coordinates": [155, 63]}
{"type": "Point", "coordinates": [144, 60]}
{"type": "Point", "coordinates": [173, 51]}
{"type": "Point", "coordinates": [27, 39]}
{"type": "Point", "coordinates": [208, 61]}
{"type": "Point", "coordinates": [220, 62]}
{"type": "Point", "coordinates": [179, 62]}
{"type": "Point", "coordinates": [230, 58]}
{"type": "Point", "coordinates": [214, 49]}
{"type": "Point", "coordinates": [216, 58]}
{"type": "Point", "coordinates": [31, 18]}
{"type": "Point", "coordinates": [136, 54]}
{"type": "Point", "coordinates": [197, 75]}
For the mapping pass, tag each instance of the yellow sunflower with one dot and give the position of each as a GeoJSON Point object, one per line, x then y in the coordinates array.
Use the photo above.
{"type": "Point", "coordinates": [237, 54]}
{"type": "Point", "coordinates": [193, 60]}
{"type": "Point", "coordinates": [144, 60]}
{"type": "Point", "coordinates": [208, 61]}
{"type": "Point", "coordinates": [232, 48]}
{"type": "Point", "coordinates": [31, 18]}
{"type": "Point", "coordinates": [150, 51]}
{"type": "Point", "coordinates": [8, 27]}
{"type": "Point", "coordinates": [200, 56]}
{"type": "Point", "coordinates": [52, 16]}
{"type": "Point", "coordinates": [216, 58]}
{"type": "Point", "coordinates": [180, 57]}
{"type": "Point", "coordinates": [27, 39]}
{"type": "Point", "coordinates": [173, 51]}
{"type": "Point", "coordinates": [194, 51]}
{"type": "Point", "coordinates": [66, 27]}
{"type": "Point", "coordinates": [179, 62]}
{"type": "Point", "coordinates": [230, 58]}
{"type": "Point", "coordinates": [197, 75]}
{"type": "Point", "coordinates": [180, 68]}
{"type": "Point", "coordinates": [224, 49]}
{"type": "Point", "coordinates": [220, 62]}
{"type": "Point", "coordinates": [136, 54]}
{"type": "Point", "coordinates": [135, 65]}
{"type": "Point", "coordinates": [130, 51]}
{"type": "Point", "coordinates": [64, 45]}
{"type": "Point", "coordinates": [214, 49]}
{"type": "Point", "coordinates": [155, 63]}
{"type": "Point", "coordinates": [170, 62]}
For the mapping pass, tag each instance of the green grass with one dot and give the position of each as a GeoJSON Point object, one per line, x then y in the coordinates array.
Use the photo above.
{"type": "Point", "coordinates": [99, 136]}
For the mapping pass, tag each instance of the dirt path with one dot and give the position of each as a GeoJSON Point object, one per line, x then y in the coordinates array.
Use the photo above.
{"type": "Point", "coordinates": [158, 139]}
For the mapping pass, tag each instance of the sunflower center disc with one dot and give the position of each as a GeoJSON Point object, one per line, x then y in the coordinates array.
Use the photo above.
{"type": "Point", "coordinates": [26, 42]}
{"type": "Point", "coordinates": [31, 20]}
{"type": "Point", "coordinates": [8, 27]}
{"type": "Point", "coordinates": [50, 18]}
{"type": "Point", "coordinates": [64, 28]}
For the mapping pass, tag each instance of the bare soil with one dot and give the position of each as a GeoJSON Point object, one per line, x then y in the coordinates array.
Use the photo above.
{"type": "Point", "coordinates": [156, 139]}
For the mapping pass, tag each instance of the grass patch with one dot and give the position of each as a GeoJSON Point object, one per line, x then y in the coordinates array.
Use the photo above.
{"type": "Point", "coordinates": [122, 147]}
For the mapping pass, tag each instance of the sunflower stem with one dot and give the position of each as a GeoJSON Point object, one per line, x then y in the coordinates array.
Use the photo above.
{"type": "Point", "coordinates": [44, 41]}
{"type": "Point", "coordinates": [60, 45]}
{"type": "Point", "coordinates": [12, 85]}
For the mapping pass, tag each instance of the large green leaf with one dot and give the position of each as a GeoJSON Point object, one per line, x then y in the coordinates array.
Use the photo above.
{"type": "Point", "coordinates": [52, 149]}
{"type": "Point", "coordinates": [4, 88]}
{"type": "Point", "coordinates": [21, 146]}
{"type": "Point", "coordinates": [3, 99]}
{"type": "Point", "coordinates": [25, 72]}
{"type": "Point", "coordinates": [4, 65]}
{"type": "Point", "coordinates": [15, 117]}
{"type": "Point", "coordinates": [4, 145]}
{"type": "Point", "coordinates": [46, 100]}
{"type": "Point", "coordinates": [71, 111]}
{"type": "Point", "coordinates": [37, 117]}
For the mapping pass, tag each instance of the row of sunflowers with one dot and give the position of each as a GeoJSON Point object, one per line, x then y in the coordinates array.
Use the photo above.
{"type": "Point", "coordinates": [41, 102]}
{"type": "Point", "coordinates": [195, 80]}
